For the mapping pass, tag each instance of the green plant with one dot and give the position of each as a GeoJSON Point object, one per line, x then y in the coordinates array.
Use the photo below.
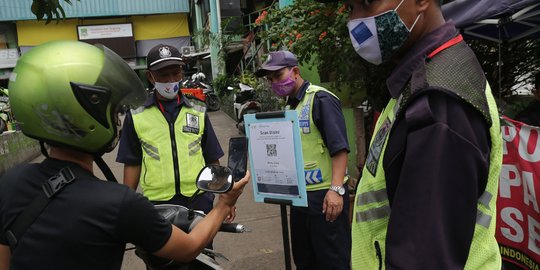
{"type": "Point", "coordinates": [50, 9]}
{"type": "Point", "coordinates": [269, 101]}
{"type": "Point", "coordinates": [520, 59]}
{"type": "Point", "coordinates": [220, 84]}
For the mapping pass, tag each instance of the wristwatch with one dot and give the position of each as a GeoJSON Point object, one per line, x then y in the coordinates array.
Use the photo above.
{"type": "Point", "coordinates": [338, 189]}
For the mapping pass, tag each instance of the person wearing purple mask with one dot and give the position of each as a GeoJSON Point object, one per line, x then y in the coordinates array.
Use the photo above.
{"type": "Point", "coordinates": [320, 233]}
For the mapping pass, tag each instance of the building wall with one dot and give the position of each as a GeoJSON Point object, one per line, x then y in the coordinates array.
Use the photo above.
{"type": "Point", "coordinates": [32, 33]}
{"type": "Point", "coordinates": [170, 29]}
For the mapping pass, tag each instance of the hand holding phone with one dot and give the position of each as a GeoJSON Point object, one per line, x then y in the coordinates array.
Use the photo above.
{"type": "Point", "coordinates": [238, 154]}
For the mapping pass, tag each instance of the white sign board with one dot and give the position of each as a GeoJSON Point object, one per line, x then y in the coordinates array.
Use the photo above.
{"type": "Point", "coordinates": [275, 151]}
{"type": "Point", "coordinates": [104, 31]}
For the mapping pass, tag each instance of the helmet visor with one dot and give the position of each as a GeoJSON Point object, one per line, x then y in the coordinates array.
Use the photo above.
{"type": "Point", "coordinates": [127, 88]}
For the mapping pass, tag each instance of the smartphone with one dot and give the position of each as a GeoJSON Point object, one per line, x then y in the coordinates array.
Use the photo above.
{"type": "Point", "coordinates": [238, 156]}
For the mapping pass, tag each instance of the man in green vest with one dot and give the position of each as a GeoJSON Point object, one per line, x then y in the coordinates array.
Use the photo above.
{"type": "Point", "coordinates": [168, 140]}
{"type": "Point", "coordinates": [320, 233]}
{"type": "Point", "coordinates": [427, 197]}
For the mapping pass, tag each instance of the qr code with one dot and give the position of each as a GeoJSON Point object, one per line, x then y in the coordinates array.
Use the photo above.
{"type": "Point", "coordinates": [271, 150]}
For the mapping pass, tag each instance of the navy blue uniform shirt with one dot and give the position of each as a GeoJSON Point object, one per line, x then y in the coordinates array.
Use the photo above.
{"type": "Point", "coordinates": [130, 151]}
{"type": "Point", "coordinates": [328, 118]}
{"type": "Point", "coordinates": [436, 166]}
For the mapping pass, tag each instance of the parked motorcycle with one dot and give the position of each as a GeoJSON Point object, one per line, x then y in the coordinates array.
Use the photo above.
{"type": "Point", "coordinates": [5, 110]}
{"type": "Point", "coordinates": [245, 102]}
{"type": "Point", "coordinates": [195, 84]}
{"type": "Point", "coordinates": [212, 178]}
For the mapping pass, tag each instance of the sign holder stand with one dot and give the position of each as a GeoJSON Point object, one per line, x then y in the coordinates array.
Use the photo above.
{"type": "Point", "coordinates": [284, 228]}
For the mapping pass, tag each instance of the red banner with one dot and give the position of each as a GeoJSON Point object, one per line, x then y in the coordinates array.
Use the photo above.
{"type": "Point", "coordinates": [518, 219]}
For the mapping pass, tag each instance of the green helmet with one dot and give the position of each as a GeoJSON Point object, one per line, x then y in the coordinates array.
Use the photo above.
{"type": "Point", "coordinates": [68, 93]}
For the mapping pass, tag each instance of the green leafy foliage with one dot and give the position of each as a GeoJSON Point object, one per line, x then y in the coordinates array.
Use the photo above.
{"type": "Point", "coordinates": [49, 9]}
{"type": "Point", "coordinates": [520, 60]}
{"type": "Point", "coordinates": [269, 101]}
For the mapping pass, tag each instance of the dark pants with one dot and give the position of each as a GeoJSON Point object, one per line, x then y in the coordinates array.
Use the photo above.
{"type": "Point", "coordinates": [316, 243]}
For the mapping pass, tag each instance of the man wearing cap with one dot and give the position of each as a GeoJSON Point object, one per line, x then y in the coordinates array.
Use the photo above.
{"type": "Point", "coordinates": [167, 141]}
{"type": "Point", "coordinates": [427, 197]}
{"type": "Point", "coordinates": [320, 233]}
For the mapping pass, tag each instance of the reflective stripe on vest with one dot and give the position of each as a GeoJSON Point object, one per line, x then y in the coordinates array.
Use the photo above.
{"type": "Point", "coordinates": [384, 211]}
{"type": "Point", "coordinates": [150, 150]}
{"type": "Point", "coordinates": [157, 178]}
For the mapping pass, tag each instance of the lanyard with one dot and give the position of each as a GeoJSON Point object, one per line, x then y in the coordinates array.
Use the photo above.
{"type": "Point", "coordinates": [161, 106]}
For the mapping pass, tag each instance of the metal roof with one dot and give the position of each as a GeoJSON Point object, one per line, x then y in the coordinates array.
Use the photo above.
{"type": "Point", "coordinates": [13, 10]}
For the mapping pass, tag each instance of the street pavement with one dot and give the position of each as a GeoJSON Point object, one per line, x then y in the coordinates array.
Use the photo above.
{"type": "Point", "coordinates": [262, 248]}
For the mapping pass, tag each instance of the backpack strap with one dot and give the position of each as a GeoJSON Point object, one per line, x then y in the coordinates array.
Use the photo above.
{"type": "Point", "coordinates": [50, 188]}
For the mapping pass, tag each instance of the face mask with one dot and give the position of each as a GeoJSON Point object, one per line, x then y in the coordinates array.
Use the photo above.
{"type": "Point", "coordinates": [377, 38]}
{"type": "Point", "coordinates": [285, 87]}
{"type": "Point", "coordinates": [167, 90]}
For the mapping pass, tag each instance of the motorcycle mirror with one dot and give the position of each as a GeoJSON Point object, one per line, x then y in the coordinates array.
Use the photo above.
{"type": "Point", "coordinates": [215, 179]}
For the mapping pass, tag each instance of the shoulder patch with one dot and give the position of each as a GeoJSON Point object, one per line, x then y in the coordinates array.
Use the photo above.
{"type": "Point", "coordinates": [455, 70]}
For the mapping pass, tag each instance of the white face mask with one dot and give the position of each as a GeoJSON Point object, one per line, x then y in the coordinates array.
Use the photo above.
{"type": "Point", "coordinates": [167, 90]}
{"type": "Point", "coordinates": [377, 38]}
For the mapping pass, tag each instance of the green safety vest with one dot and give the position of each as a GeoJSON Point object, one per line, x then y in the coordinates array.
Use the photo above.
{"type": "Point", "coordinates": [157, 178]}
{"type": "Point", "coordinates": [317, 160]}
{"type": "Point", "coordinates": [371, 208]}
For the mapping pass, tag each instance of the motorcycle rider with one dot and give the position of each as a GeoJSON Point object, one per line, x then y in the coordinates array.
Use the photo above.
{"type": "Point", "coordinates": [67, 94]}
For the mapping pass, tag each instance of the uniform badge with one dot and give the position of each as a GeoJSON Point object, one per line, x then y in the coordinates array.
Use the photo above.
{"type": "Point", "coordinates": [375, 150]}
{"type": "Point", "coordinates": [303, 119]}
{"type": "Point", "coordinates": [192, 124]}
{"type": "Point", "coordinates": [164, 52]}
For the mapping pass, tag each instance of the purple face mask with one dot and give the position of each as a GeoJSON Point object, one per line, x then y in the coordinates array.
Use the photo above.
{"type": "Point", "coordinates": [285, 87]}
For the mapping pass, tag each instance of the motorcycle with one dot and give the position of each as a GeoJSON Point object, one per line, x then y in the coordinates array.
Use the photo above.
{"type": "Point", "coordinates": [5, 110]}
{"type": "Point", "coordinates": [245, 102]}
{"type": "Point", "coordinates": [212, 178]}
{"type": "Point", "coordinates": [197, 86]}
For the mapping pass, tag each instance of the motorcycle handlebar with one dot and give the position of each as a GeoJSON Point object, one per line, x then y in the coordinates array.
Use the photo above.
{"type": "Point", "coordinates": [233, 228]}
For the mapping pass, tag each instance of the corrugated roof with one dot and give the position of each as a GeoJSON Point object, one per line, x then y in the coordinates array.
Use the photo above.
{"type": "Point", "coordinates": [12, 10]}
